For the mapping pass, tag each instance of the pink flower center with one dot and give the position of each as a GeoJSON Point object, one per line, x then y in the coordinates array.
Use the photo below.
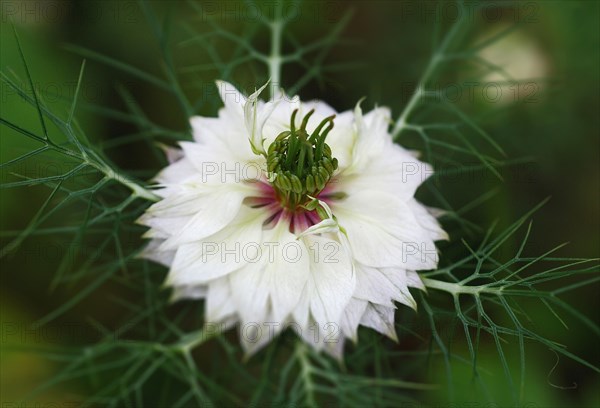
{"type": "Point", "coordinates": [298, 218]}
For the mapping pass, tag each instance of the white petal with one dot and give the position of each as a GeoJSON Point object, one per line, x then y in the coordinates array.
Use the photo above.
{"type": "Point", "coordinates": [399, 278]}
{"type": "Point", "coordinates": [212, 212]}
{"type": "Point", "coordinates": [189, 292]}
{"type": "Point", "coordinates": [352, 316]}
{"type": "Point", "coordinates": [233, 99]}
{"type": "Point", "coordinates": [383, 232]}
{"type": "Point", "coordinates": [250, 292]}
{"type": "Point", "coordinates": [218, 302]}
{"type": "Point", "coordinates": [177, 172]}
{"type": "Point", "coordinates": [335, 348]}
{"type": "Point", "coordinates": [213, 166]}
{"type": "Point", "coordinates": [226, 136]}
{"type": "Point", "coordinates": [255, 119]}
{"type": "Point", "coordinates": [414, 280]}
{"type": "Point", "coordinates": [172, 154]}
{"type": "Point", "coordinates": [383, 286]}
{"type": "Point", "coordinates": [394, 171]}
{"type": "Point", "coordinates": [220, 254]}
{"type": "Point", "coordinates": [328, 337]}
{"type": "Point", "coordinates": [327, 225]}
{"type": "Point", "coordinates": [279, 276]}
{"type": "Point", "coordinates": [341, 139]}
{"type": "Point", "coordinates": [279, 120]}
{"type": "Point", "coordinates": [381, 319]}
{"type": "Point", "coordinates": [227, 132]}
{"type": "Point", "coordinates": [162, 227]}
{"type": "Point", "coordinates": [373, 286]}
{"type": "Point", "coordinates": [301, 313]}
{"type": "Point", "coordinates": [371, 136]}
{"type": "Point", "coordinates": [428, 221]}
{"type": "Point", "coordinates": [152, 253]}
{"type": "Point", "coordinates": [332, 281]}
{"type": "Point", "coordinates": [256, 334]}
{"type": "Point", "coordinates": [187, 202]}
{"type": "Point", "coordinates": [289, 270]}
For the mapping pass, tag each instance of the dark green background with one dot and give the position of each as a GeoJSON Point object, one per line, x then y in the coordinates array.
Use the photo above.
{"type": "Point", "coordinates": [386, 47]}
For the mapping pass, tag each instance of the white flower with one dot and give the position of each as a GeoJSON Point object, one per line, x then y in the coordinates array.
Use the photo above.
{"type": "Point", "coordinates": [288, 214]}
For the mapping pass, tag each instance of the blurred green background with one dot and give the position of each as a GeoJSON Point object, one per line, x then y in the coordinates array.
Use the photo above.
{"type": "Point", "coordinates": [380, 55]}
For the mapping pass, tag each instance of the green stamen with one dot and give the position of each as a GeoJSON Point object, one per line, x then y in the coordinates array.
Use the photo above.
{"type": "Point", "coordinates": [300, 164]}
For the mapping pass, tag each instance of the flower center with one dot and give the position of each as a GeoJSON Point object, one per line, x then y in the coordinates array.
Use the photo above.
{"type": "Point", "coordinates": [300, 164]}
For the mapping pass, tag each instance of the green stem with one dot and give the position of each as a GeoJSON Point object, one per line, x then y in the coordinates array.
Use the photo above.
{"type": "Point", "coordinates": [137, 190]}
{"type": "Point", "coordinates": [306, 371]}
{"type": "Point", "coordinates": [275, 59]}
{"type": "Point", "coordinates": [402, 123]}
{"type": "Point", "coordinates": [456, 289]}
{"type": "Point", "coordinates": [195, 339]}
{"type": "Point", "coordinates": [438, 56]}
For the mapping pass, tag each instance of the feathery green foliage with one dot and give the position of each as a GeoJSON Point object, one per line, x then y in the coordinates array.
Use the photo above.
{"type": "Point", "coordinates": [480, 296]}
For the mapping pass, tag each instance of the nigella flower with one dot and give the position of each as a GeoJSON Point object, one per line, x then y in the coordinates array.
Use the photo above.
{"type": "Point", "coordinates": [288, 214]}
